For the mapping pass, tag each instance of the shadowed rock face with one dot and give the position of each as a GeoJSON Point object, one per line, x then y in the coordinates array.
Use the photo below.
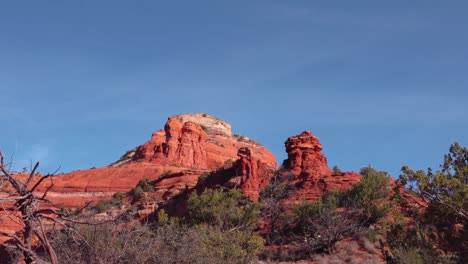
{"type": "Point", "coordinates": [254, 173]}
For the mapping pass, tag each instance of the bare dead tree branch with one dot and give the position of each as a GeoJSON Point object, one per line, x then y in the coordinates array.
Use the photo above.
{"type": "Point", "coordinates": [27, 204]}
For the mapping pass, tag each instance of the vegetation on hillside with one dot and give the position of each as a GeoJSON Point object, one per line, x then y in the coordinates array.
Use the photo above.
{"type": "Point", "coordinates": [364, 224]}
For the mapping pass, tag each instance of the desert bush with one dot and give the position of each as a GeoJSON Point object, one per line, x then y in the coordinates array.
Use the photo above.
{"type": "Point", "coordinates": [104, 244]}
{"type": "Point", "coordinates": [170, 243]}
{"type": "Point", "coordinates": [337, 170]}
{"type": "Point", "coordinates": [322, 224]}
{"type": "Point", "coordinates": [417, 243]}
{"type": "Point", "coordinates": [273, 208]}
{"type": "Point", "coordinates": [417, 256]}
{"type": "Point", "coordinates": [371, 196]}
{"type": "Point", "coordinates": [445, 192]}
{"type": "Point", "coordinates": [117, 199]}
{"type": "Point", "coordinates": [137, 193]}
{"type": "Point", "coordinates": [225, 209]}
{"type": "Point", "coordinates": [218, 246]}
{"type": "Point", "coordinates": [101, 206]}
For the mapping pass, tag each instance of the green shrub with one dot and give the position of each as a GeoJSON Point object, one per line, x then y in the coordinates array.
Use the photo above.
{"type": "Point", "coordinates": [148, 188]}
{"type": "Point", "coordinates": [321, 225]}
{"type": "Point", "coordinates": [337, 170]}
{"type": "Point", "coordinates": [117, 196]}
{"type": "Point", "coordinates": [273, 207]}
{"type": "Point", "coordinates": [446, 193]}
{"type": "Point", "coordinates": [101, 206]}
{"type": "Point", "coordinates": [162, 218]}
{"type": "Point", "coordinates": [137, 193]}
{"type": "Point", "coordinates": [117, 199]}
{"type": "Point", "coordinates": [371, 196]}
{"type": "Point", "coordinates": [228, 247]}
{"type": "Point", "coordinates": [224, 209]}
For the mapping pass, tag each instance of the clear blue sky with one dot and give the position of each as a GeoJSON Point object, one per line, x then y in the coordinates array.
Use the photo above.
{"type": "Point", "coordinates": [379, 82]}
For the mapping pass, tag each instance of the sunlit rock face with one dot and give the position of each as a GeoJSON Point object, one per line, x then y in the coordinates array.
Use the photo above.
{"type": "Point", "coordinates": [308, 170]}
{"type": "Point", "coordinates": [189, 145]}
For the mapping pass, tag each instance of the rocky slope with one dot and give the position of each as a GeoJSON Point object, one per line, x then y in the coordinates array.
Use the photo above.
{"type": "Point", "coordinates": [191, 145]}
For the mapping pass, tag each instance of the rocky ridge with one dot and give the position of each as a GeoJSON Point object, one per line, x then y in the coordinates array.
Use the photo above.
{"type": "Point", "coordinates": [173, 158]}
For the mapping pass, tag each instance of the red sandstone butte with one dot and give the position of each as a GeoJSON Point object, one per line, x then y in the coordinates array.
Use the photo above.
{"type": "Point", "coordinates": [309, 170]}
{"type": "Point", "coordinates": [189, 145]}
{"type": "Point", "coordinates": [305, 158]}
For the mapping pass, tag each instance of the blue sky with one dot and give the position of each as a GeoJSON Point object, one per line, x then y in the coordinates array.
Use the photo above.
{"type": "Point", "coordinates": [381, 83]}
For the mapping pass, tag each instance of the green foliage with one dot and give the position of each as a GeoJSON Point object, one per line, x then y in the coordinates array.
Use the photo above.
{"type": "Point", "coordinates": [146, 185]}
{"type": "Point", "coordinates": [224, 209]}
{"type": "Point", "coordinates": [170, 243]}
{"type": "Point", "coordinates": [104, 244]}
{"type": "Point", "coordinates": [417, 243]}
{"type": "Point", "coordinates": [337, 170]}
{"type": "Point", "coordinates": [371, 196]}
{"type": "Point", "coordinates": [446, 189]}
{"type": "Point", "coordinates": [273, 207]}
{"type": "Point", "coordinates": [228, 247]}
{"type": "Point", "coordinates": [407, 256]}
{"type": "Point", "coordinates": [143, 185]}
{"type": "Point", "coordinates": [306, 210]}
{"type": "Point", "coordinates": [117, 196]}
{"type": "Point", "coordinates": [148, 188]}
{"type": "Point", "coordinates": [446, 193]}
{"type": "Point", "coordinates": [137, 193]}
{"type": "Point", "coordinates": [162, 218]}
{"type": "Point", "coordinates": [276, 190]}
{"type": "Point", "coordinates": [117, 199]}
{"type": "Point", "coordinates": [322, 224]}
{"type": "Point", "coordinates": [204, 128]}
{"type": "Point", "coordinates": [101, 206]}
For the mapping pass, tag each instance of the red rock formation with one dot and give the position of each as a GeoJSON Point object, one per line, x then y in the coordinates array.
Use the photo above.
{"type": "Point", "coordinates": [313, 189]}
{"type": "Point", "coordinates": [198, 141]}
{"type": "Point", "coordinates": [248, 173]}
{"type": "Point", "coordinates": [305, 158]}
{"type": "Point", "coordinates": [181, 144]}
{"type": "Point", "coordinates": [311, 176]}
{"type": "Point", "coordinates": [174, 158]}
{"type": "Point", "coordinates": [254, 173]}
